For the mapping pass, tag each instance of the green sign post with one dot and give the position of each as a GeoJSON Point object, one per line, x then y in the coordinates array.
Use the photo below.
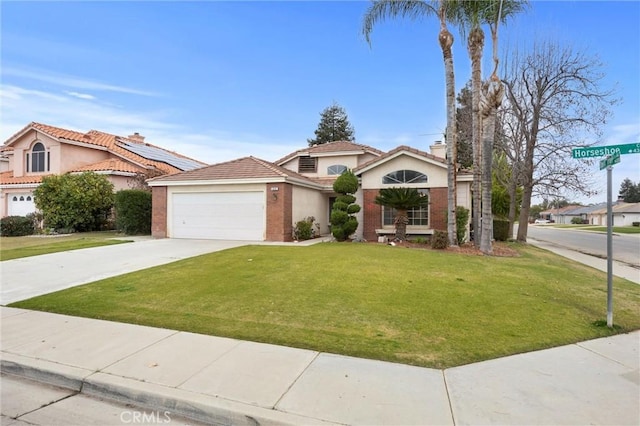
{"type": "Point", "coordinates": [610, 161]}
{"type": "Point", "coordinates": [612, 154]}
{"type": "Point", "coordinates": [602, 151]}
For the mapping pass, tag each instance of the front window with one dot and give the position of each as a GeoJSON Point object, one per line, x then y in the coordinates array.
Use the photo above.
{"type": "Point", "coordinates": [404, 176]}
{"type": "Point", "coordinates": [37, 161]}
{"type": "Point", "coordinates": [418, 216]}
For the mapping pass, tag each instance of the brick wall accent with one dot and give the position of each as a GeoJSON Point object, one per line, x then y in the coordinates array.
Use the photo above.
{"type": "Point", "coordinates": [279, 212]}
{"type": "Point", "coordinates": [159, 212]}
{"type": "Point", "coordinates": [438, 208]}
{"type": "Point", "coordinates": [372, 215]}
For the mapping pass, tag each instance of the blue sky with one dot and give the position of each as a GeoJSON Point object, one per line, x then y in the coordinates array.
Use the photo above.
{"type": "Point", "coordinates": [222, 80]}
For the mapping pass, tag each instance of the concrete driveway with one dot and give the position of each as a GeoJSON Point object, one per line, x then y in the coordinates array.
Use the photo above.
{"type": "Point", "coordinates": [33, 276]}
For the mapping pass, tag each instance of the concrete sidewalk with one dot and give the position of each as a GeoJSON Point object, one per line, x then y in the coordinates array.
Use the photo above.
{"type": "Point", "coordinates": [620, 269]}
{"type": "Point", "coordinates": [224, 381]}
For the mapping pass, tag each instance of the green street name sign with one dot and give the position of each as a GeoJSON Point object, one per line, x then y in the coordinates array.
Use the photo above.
{"type": "Point", "coordinates": [610, 161]}
{"type": "Point", "coordinates": [601, 151]}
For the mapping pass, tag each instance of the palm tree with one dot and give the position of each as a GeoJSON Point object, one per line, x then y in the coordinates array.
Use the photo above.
{"type": "Point", "coordinates": [401, 199]}
{"type": "Point", "coordinates": [470, 15]}
{"type": "Point", "coordinates": [381, 9]}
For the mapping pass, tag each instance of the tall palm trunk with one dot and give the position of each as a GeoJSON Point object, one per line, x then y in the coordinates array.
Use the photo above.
{"type": "Point", "coordinates": [446, 41]}
{"type": "Point", "coordinates": [475, 45]}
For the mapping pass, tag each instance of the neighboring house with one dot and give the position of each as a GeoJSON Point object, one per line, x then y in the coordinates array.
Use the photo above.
{"type": "Point", "coordinates": [562, 215]}
{"type": "Point", "coordinates": [254, 199]}
{"type": "Point", "coordinates": [624, 214]}
{"type": "Point", "coordinates": [39, 150]}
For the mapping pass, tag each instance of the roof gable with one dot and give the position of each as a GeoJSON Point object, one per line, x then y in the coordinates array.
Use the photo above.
{"type": "Point", "coordinates": [246, 168]}
{"type": "Point", "coordinates": [397, 152]}
{"type": "Point", "coordinates": [330, 148]}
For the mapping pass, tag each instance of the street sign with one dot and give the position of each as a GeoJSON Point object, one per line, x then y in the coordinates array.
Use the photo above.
{"type": "Point", "coordinates": [610, 161]}
{"type": "Point", "coordinates": [601, 151]}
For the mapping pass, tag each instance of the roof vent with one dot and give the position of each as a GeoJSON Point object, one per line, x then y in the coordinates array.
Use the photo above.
{"type": "Point", "coordinates": [136, 137]}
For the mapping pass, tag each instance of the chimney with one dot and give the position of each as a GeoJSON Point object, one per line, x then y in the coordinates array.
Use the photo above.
{"type": "Point", "coordinates": [439, 149]}
{"type": "Point", "coordinates": [136, 137]}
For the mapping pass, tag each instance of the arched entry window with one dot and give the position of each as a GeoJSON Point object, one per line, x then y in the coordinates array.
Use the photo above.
{"type": "Point", "coordinates": [38, 159]}
{"type": "Point", "coordinates": [404, 176]}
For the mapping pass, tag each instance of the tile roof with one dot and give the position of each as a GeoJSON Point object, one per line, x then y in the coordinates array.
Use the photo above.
{"type": "Point", "coordinates": [112, 143]}
{"type": "Point", "coordinates": [337, 146]}
{"type": "Point", "coordinates": [242, 168]}
{"type": "Point", "coordinates": [397, 150]}
{"type": "Point", "coordinates": [111, 165]}
{"type": "Point", "coordinates": [7, 178]}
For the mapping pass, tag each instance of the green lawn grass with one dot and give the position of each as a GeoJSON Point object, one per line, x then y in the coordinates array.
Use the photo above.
{"type": "Point", "coordinates": [414, 306]}
{"type": "Point", "coordinates": [617, 229]}
{"type": "Point", "coordinates": [17, 247]}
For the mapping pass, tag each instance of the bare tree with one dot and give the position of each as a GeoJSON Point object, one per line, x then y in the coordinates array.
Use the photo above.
{"type": "Point", "coordinates": [554, 102]}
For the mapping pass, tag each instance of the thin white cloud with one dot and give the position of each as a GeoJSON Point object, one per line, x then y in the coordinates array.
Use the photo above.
{"type": "Point", "coordinates": [72, 81]}
{"type": "Point", "coordinates": [81, 95]}
{"type": "Point", "coordinates": [19, 106]}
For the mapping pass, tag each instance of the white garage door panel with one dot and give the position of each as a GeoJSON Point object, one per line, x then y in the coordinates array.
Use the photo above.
{"type": "Point", "coordinates": [219, 216]}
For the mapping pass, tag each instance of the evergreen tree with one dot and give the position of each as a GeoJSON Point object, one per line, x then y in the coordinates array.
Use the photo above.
{"type": "Point", "coordinates": [629, 191]}
{"type": "Point", "coordinates": [334, 126]}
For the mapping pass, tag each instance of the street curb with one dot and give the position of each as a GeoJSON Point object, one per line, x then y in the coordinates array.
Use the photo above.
{"type": "Point", "coordinates": [194, 406]}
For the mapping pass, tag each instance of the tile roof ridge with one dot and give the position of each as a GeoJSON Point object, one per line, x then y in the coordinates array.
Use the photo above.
{"type": "Point", "coordinates": [271, 166]}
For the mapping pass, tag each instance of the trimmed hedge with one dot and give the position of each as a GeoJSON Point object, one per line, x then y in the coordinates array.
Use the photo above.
{"type": "Point", "coordinates": [16, 226]}
{"type": "Point", "coordinates": [500, 229]}
{"type": "Point", "coordinates": [133, 211]}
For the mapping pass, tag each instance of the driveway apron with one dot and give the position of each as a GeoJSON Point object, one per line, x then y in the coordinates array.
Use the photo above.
{"type": "Point", "coordinates": [34, 276]}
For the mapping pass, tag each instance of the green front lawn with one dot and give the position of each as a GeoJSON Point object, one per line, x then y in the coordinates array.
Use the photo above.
{"type": "Point", "coordinates": [414, 306]}
{"type": "Point", "coordinates": [17, 247]}
{"type": "Point", "coordinates": [616, 229]}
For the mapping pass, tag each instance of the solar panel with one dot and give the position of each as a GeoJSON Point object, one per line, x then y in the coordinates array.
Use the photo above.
{"type": "Point", "coordinates": [158, 154]}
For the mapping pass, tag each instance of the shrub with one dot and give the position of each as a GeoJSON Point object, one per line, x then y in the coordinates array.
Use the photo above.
{"type": "Point", "coordinates": [304, 229]}
{"type": "Point", "coordinates": [133, 211]}
{"type": "Point", "coordinates": [81, 202]}
{"type": "Point", "coordinates": [419, 240]}
{"type": "Point", "coordinates": [500, 229]}
{"type": "Point", "coordinates": [440, 240]}
{"type": "Point", "coordinates": [462, 218]}
{"type": "Point", "coordinates": [577, 220]}
{"type": "Point", "coordinates": [16, 226]}
{"type": "Point", "coordinates": [635, 223]}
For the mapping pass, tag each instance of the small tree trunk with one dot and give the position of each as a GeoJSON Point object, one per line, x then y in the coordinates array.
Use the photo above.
{"type": "Point", "coordinates": [401, 222]}
{"type": "Point", "coordinates": [475, 46]}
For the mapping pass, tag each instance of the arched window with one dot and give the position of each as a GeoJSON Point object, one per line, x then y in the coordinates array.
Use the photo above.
{"type": "Point", "coordinates": [15, 198]}
{"type": "Point", "coordinates": [38, 161]}
{"type": "Point", "coordinates": [29, 198]}
{"type": "Point", "coordinates": [336, 169]}
{"type": "Point", "coordinates": [21, 198]}
{"type": "Point", "coordinates": [404, 176]}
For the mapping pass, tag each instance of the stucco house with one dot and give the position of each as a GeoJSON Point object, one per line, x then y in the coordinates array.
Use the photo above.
{"type": "Point", "coordinates": [624, 214]}
{"type": "Point", "coordinates": [39, 150]}
{"type": "Point", "coordinates": [254, 199]}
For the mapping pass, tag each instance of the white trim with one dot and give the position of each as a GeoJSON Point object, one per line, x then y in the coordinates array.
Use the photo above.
{"type": "Point", "coordinates": [19, 185]}
{"type": "Point", "coordinates": [82, 144]}
{"type": "Point", "coordinates": [105, 172]}
{"type": "Point", "coordinates": [379, 161]}
{"type": "Point", "coordinates": [283, 179]}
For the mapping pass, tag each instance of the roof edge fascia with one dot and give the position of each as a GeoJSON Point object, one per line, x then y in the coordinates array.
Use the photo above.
{"type": "Point", "coordinates": [19, 185]}
{"type": "Point", "coordinates": [395, 155]}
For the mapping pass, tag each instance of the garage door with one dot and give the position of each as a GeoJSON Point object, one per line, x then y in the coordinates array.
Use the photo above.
{"type": "Point", "coordinates": [219, 215]}
{"type": "Point", "coordinates": [20, 204]}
